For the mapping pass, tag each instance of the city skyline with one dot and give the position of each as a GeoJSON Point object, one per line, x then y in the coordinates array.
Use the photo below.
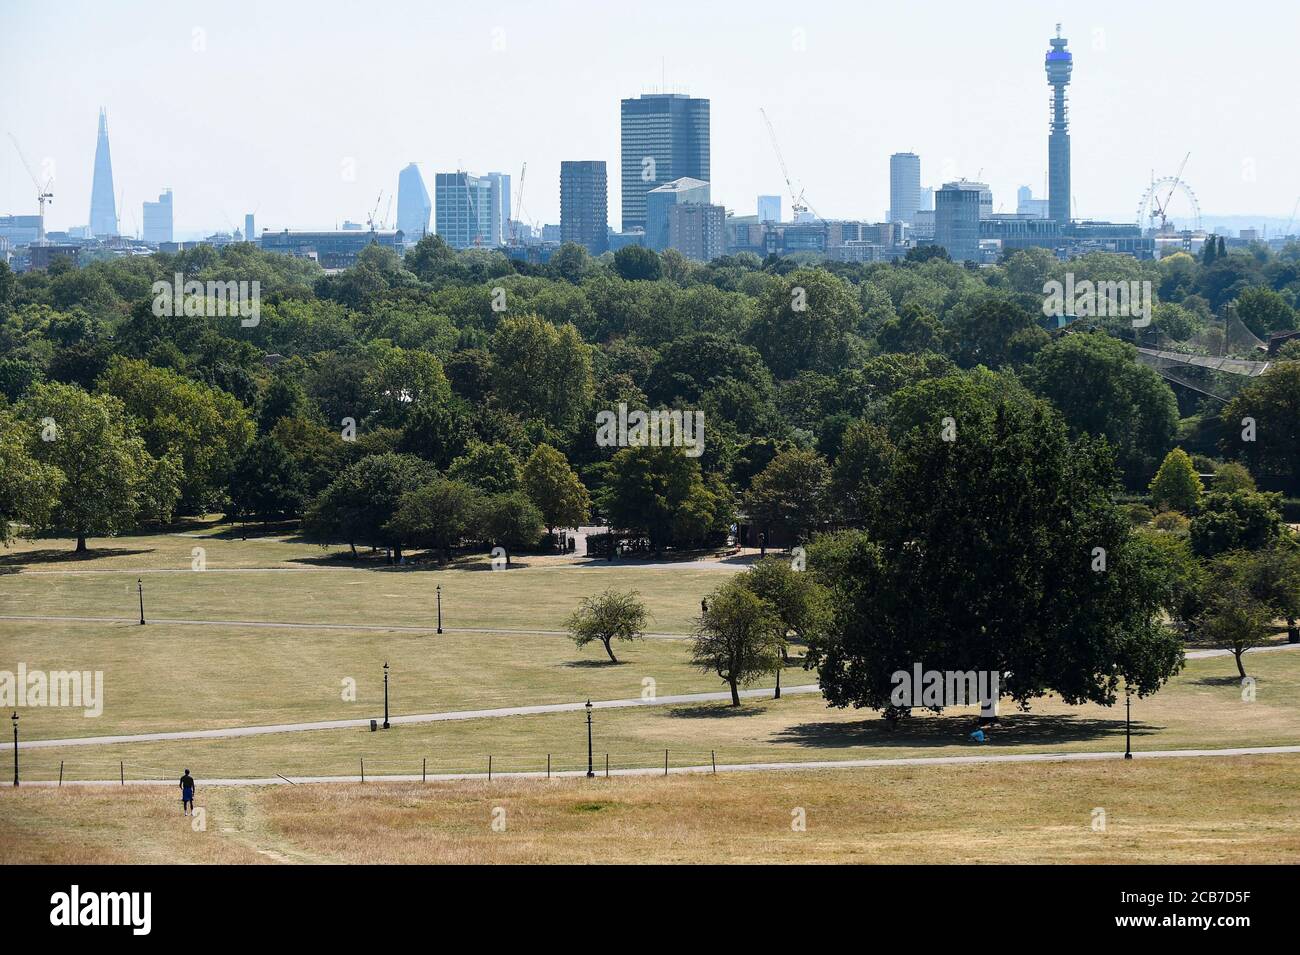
{"type": "Point", "coordinates": [972, 106]}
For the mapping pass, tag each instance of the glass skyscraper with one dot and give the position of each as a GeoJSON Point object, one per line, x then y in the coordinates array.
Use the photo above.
{"type": "Point", "coordinates": [464, 210]}
{"type": "Point", "coordinates": [413, 204]}
{"type": "Point", "coordinates": [665, 137]}
{"type": "Point", "coordinates": [904, 187]}
{"type": "Point", "coordinates": [584, 204]}
{"type": "Point", "coordinates": [103, 206]}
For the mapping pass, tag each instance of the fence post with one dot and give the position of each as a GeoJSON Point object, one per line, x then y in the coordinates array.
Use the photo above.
{"type": "Point", "coordinates": [121, 770]}
{"type": "Point", "coordinates": [665, 762]}
{"type": "Point", "coordinates": [607, 765]}
{"type": "Point", "coordinates": [363, 769]}
{"type": "Point", "coordinates": [60, 772]}
{"type": "Point", "coordinates": [548, 765]}
{"type": "Point", "coordinates": [713, 758]}
{"type": "Point", "coordinates": [489, 768]}
{"type": "Point", "coordinates": [424, 769]}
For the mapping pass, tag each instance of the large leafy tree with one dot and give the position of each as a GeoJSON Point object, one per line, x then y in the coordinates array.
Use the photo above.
{"type": "Point", "coordinates": [438, 514]}
{"type": "Point", "coordinates": [509, 521]}
{"type": "Point", "coordinates": [795, 596]}
{"type": "Point", "coordinates": [29, 489]}
{"type": "Point", "coordinates": [266, 482]}
{"type": "Point", "coordinates": [206, 427]}
{"type": "Point", "coordinates": [661, 493]}
{"type": "Point", "coordinates": [1269, 442]}
{"type": "Point", "coordinates": [359, 505]}
{"type": "Point", "coordinates": [803, 321]}
{"type": "Point", "coordinates": [556, 489]}
{"type": "Point", "coordinates": [792, 492]}
{"type": "Point", "coordinates": [540, 371]}
{"type": "Point", "coordinates": [91, 440]}
{"type": "Point", "coordinates": [1099, 387]}
{"type": "Point", "coordinates": [1236, 520]}
{"type": "Point", "coordinates": [997, 548]}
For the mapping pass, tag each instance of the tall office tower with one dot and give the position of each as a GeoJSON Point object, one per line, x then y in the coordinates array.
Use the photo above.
{"type": "Point", "coordinates": [413, 204]}
{"type": "Point", "coordinates": [463, 209]}
{"type": "Point", "coordinates": [158, 219]}
{"type": "Point", "coordinates": [249, 234]}
{"type": "Point", "coordinates": [103, 207]}
{"type": "Point", "coordinates": [769, 208]}
{"type": "Point", "coordinates": [957, 219]}
{"type": "Point", "coordinates": [500, 206]}
{"type": "Point", "coordinates": [665, 136]}
{"type": "Point", "coordinates": [697, 230]}
{"type": "Point", "coordinates": [584, 204]}
{"type": "Point", "coordinates": [904, 187]}
{"type": "Point", "coordinates": [1059, 66]}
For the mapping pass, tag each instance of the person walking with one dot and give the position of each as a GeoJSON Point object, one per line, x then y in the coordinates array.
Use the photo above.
{"type": "Point", "coordinates": [187, 794]}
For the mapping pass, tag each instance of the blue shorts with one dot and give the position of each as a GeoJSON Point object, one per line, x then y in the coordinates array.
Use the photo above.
{"type": "Point", "coordinates": [187, 795]}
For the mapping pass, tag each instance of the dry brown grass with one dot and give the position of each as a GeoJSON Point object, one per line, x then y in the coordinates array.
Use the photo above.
{"type": "Point", "coordinates": [1238, 810]}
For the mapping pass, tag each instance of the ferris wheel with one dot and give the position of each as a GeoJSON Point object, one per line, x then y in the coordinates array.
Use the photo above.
{"type": "Point", "coordinates": [1154, 210]}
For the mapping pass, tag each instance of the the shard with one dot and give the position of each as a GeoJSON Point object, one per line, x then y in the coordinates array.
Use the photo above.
{"type": "Point", "coordinates": [103, 207]}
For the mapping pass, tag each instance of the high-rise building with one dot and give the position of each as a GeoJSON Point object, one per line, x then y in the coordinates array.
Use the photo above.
{"type": "Point", "coordinates": [665, 136]}
{"type": "Point", "coordinates": [697, 230]}
{"type": "Point", "coordinates": [413, 204]}
{"type": "Point", "coordinates": [158, 219]}
{"type": "Point", "coordinates": [1027, 205]}
{"type": "Point", "coordinates": [463, 209]}
{"type": "Point", "coordinates": [249, 234]}
{"type": "Point", "coordinates": [660, 200]}
{"type": "Point", "coordinates": [769, 208]}
{"type": "Point", "coordinates": [500, 206]}
{"type": "Point", "coordinates": [904, 187]}
{"type": "Point", "coordinates": [103, 206]}
{"type": "Point", "coordinates": [584, 204]}
{"type": "Point", "coordinates": [1060, 64]}
{"type": "Point", "coordinates": [957, 219]}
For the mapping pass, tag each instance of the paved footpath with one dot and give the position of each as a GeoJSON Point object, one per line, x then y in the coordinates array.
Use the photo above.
{"type": "Point", "coordinates": [449, 716]}
{"type": "Point", "coordinates": [720, 768]}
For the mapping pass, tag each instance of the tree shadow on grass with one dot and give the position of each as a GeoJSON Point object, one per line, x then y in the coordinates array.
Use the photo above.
{"type": "Point", "coordinates": [593, 664]}
{"type": "Point", "coordinates": [1217, 681]}
{"type": "Point", "coordinates": [67, 556]}
{"type": "Point", "coordinates": [719, 710]}
{"type": "Point", "coordinates": [1021, 729]}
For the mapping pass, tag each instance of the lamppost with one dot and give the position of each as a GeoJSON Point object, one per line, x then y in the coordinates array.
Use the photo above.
{"type": "Point", "coordinates": [1128, 723]}
{"type": "Point", "coordinates": [439, 591]}
{"type": "Point", "coordinates": [139, 586]}
{"type": "Point", "coordinates": [385, 694]}
{"type": "Point", "coordinates": [15, 719]}
{"type": "Point", "coordinates": [591, 772]}
{"type": "Point", "coordinates": [778, 681]}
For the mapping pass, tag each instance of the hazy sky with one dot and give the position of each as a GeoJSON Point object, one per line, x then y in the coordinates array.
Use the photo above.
{"type": "Point", "coordinates": [241, 106]}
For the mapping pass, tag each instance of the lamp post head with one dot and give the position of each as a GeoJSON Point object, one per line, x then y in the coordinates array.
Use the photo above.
{"type": "Point", "coordinates": [588, 707]}
{"type": "Point", "coordinates": [15, 718]}
{"type": "Point", "coordinates": [385, 666]}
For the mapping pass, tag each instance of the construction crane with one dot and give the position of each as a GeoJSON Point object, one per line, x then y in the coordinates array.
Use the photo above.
{"type": "Point", "coordinates": [797, 204]}
{"type": "Point", "coordinates": [370, 219]}
{"type": "Point", "coordinates": [1162, 208]}
{"type": "Point", "coordinates": [1291, 222]}
{"type": "Point", "coordinates": [43, 194]}
{"type": "Point", "coordinates": [519, 205]}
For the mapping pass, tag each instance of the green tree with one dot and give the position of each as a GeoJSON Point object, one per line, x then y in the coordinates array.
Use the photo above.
{"type": "Point", "coordinates": [999, 550]}
{"type": "Point", "coordinates": [791, 492]}
{"type": "Point", "coordinates": [861, 470]}
{"type": "Point", "coordinates": [802, 322]}
{"type": "Point", "coordinates": [1176, 485]}
{"type": "Point", "coordinates": [1262, 427]}
{"type": "Point", "coordinates": [646, 487]}
{"type": "Point", "coordinates": [509, 521]}
{"type": "Point", "coordinates": [738, 637]}
{"type": "Point", "coordinates": [794, 595]}
{"type": "Point", "coordinates": [29, 489]}
{"type": "Point", "coordinates": [556, 489]}
{"type": "Point", "coordinates": [540, 371]}
{"type": "Point", "coordinates": [91, 440]}
{"type": "Point", "coordinates": [1237, 520]}
{"type": "Point", "coordinates": [1237, 616]}
{"type": "Point", "coordinates": [358, 506]}
{"type": "Point", "coordinates": [612, 615]}
{"type": "Point", "coordinates": [206, 427]}
{"type": "Point", "coordinates": [637, 263]}
{"type": "Point", "coordinates": [491, 468]}
{"type": "Point", "coordinates": [438, 515]}
{"type": "Point", "coordinates": [1232, 477]}
{"type": "Point", "coordinates": [266, 482]}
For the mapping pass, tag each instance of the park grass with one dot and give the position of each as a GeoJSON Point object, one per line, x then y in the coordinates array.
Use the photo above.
{"type": "Point", "coordinates": [1202, 708]}
{"type": "Point", "coordinates": [1172, 811]}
